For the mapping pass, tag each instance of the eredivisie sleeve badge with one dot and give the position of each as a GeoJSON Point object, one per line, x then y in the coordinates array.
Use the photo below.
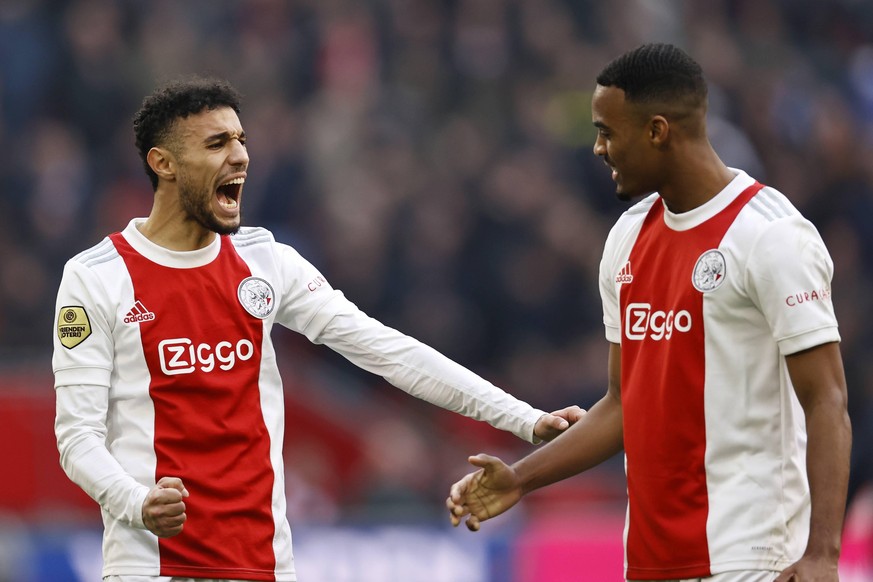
{"type": "Point", "coordinates": [73, 326]}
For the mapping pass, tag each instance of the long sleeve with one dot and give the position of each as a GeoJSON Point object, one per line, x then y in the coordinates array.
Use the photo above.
{"type": "Point", "coordinates": [80, 427]}
{"type": "Point", "coordinates": [423, 372]}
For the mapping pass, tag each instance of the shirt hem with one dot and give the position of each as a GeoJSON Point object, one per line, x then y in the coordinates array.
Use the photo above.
{"type": "Point", "coordinates": [189, 572]}
{"type": "Point", "coordinates": [227, 573]}
{"type": "Point", "coordinates": [705, 570]}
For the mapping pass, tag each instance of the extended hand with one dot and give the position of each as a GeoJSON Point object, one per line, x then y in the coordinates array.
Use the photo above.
{"type": "Point", "coordinates": [551, 425]}
{"type": "Point", "coordinates": [163, 511]}
{"type": "Point", "coordinates": [488, 492]}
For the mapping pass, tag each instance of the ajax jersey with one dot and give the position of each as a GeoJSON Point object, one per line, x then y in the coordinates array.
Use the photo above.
{"type": "Point", "coordinates": [705, 305]}
{"type": "Point", "coordinates": [181, 340]}
{"type": "Point", "coordinates": [164, 367]}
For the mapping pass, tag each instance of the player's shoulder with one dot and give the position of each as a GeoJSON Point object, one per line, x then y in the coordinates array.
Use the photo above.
{"type": "Point", "coordinates": [642, 207]}
{"type": "Point", "coordinates": [770, 215]}
{"type": "Point", "coordinates": [100, 253]}
{"type": "Point", "coordinates": [255, 241]}
{"type": "Point", "coordinates": [769, 206]}
{"type": "Point", "coordinates": [773, 231]}
{"type": "Point", "coordinates": [248, 236]}
{"type": "Point", "coordinates": [634, 216]}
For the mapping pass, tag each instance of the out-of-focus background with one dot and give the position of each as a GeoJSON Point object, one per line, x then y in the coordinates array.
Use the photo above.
{"type": "Point", "coordinates": [433, 159]}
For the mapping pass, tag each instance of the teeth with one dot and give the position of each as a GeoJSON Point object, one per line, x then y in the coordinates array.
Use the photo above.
{"type": "Point", "coordinates": [235, 181]}
{"type": "Point", "coordinates": [230, 204]}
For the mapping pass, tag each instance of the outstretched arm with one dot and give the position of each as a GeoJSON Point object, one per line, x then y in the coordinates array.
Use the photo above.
{"type": "Point", "coordinates": [496, 487]}
{"type": "Point", "coordinates": [425, 373]}
{"type": "Point", "coordinates": [820, 384]}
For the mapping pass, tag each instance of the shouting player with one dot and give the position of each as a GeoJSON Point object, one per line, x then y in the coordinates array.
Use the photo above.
{"type": "Point", "coordinates": [170, 408]}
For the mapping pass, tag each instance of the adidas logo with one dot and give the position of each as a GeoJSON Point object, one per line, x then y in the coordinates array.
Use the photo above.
{"type": "Point", "coordinates": [624, 276]}
{"type": "Point", "coordinates": [138, 313]}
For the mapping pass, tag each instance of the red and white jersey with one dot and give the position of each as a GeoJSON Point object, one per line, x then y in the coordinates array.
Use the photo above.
{"type": "Point", "coordinates": [706, 304]}
{"type": "Point", "coordinates": [164, 367]}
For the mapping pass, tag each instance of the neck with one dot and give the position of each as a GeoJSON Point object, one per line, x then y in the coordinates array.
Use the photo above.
{"type": "Point", "coordinates": [169, 226]}
{"type": "Point", "coordinates": [699, 177]}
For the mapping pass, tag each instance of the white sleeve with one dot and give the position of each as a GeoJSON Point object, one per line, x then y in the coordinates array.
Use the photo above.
{"type": "Point", "coordinates": [309, 305]}
{"type": "Point", "coordinates": [609, 296]}
{"type": "Point", "coordinates": [789, 277]}
{"type": "Point", "coordinates": [80, 427]}
{"type": "Point", "coordinates": [608, 289]}
{"type": "Point", "coordinates": [422, 371]}
{"type": "Point", "coordinates": [83, 343]}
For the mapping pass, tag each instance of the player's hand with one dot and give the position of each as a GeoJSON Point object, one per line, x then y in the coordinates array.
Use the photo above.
{"type": "Point", "coordinates": [811, 569]}
{"type": "Point", "coordinates": [163, 511]}
{"type": "Point", "coordinates": [551, 425]}
{"type": "Point", "coordinates": [488, 492]}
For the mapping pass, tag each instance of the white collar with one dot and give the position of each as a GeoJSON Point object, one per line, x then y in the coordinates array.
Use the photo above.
{"type": "Point", "coordinates": [699, 215]}
{"type": "Point", "coordinates": [166, 257]}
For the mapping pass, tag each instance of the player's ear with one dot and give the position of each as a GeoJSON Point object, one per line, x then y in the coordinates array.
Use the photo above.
{"type": "Point", "coordinates": [162, 162]}
{"type": "Point", "coordinates": [659, 130]}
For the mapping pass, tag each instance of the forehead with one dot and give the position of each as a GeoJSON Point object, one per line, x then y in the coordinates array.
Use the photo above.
{"type": "Point", "coordinates": [609, 106]}
{"type": "Point", "coordinates": [209, 122]}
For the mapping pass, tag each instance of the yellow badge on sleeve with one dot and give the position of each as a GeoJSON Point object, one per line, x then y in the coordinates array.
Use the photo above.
{"type": "Point", "coordinates": [73, 326]}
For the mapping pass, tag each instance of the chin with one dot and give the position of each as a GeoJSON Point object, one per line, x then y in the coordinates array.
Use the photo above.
{"type": "Point", "coordinates": [225, 228]}
{"type": "Point", "coordinates": [228, 230]}
{"type": "Point", "coordinates": [221, 227]}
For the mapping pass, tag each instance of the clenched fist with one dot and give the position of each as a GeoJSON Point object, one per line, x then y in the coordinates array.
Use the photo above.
{"type": "Point", "coordinates": [163, 511]}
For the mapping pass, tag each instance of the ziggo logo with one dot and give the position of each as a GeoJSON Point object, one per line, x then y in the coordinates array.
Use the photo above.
{"type": "Point", "coordinates": [181, 356]}
{"type": "Point", "coordinates": [639, 320]}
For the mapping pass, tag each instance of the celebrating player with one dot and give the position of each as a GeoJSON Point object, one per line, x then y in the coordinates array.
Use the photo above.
{"type": "Point", "coordinates": [169, 402]}
{"type": "Point", "coordinates": [726, 387]}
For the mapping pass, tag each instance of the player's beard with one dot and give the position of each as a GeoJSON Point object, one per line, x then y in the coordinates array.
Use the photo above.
{"type": "Point", "coordinates": [197, 203]}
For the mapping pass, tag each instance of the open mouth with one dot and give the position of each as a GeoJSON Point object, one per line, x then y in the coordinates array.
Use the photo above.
{"type": "Point", "coordinates": [228, 193]}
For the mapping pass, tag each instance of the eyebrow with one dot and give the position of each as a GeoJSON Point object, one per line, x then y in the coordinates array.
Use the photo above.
{"type": "Point", "coordinates": [600, 125]}
{"type": "Point", "coordinates": [223, 136]}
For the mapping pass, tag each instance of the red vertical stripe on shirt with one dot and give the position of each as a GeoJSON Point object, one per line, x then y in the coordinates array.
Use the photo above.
{"type": "Point", "coordinates": [203, 352]}
{"type": "Point", "coordinates": [663, 377]}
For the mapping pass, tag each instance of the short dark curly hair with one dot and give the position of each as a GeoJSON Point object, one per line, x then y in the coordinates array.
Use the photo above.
{"type": "Point", "coordinates": [177, 99]}
{"type": "Point", "coordinates": [657, 73]}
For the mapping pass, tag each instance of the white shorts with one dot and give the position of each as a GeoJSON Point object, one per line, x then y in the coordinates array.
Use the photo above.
{"type": "Point", "coordinates": [738, 576]}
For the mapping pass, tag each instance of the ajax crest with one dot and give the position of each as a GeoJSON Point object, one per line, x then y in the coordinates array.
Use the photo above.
{"type": "Point", "coordinates": [257, 296]}
{"type": "Point", "coordinates": [709, 272]}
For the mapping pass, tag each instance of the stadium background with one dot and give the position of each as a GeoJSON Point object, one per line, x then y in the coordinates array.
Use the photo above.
{"type": "Point", "coordinates": [433, 159]}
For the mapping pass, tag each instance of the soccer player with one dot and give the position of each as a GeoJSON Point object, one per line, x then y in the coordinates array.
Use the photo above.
{"type": "Point", "coordinates": [170, 408]}
{"type": "Point", "coordinates": [726, 387]}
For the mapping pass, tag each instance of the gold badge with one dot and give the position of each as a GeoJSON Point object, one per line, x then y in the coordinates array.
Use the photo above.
{"type": "Point", "coordinates": [73, 326]}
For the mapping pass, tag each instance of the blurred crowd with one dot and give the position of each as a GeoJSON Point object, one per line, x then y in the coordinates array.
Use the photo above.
{"type": "Point", "coordinates": [433, 159]}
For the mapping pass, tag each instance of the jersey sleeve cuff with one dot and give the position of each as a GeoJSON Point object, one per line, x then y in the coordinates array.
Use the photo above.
{"type": "Point", "coordinates": [138, 497]}
{"type": "Point", "coordinates": [798, 343]}
{"type": "Point", "coordinates": [83, 376]}
{"type": "Point", "coordinates": [613, 334]}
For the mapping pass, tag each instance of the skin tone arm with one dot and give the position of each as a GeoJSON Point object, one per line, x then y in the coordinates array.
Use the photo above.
{"type": "Point", "coordinates": [496, 486]}
{"type": "Point", "coordinates": [820, 384]}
